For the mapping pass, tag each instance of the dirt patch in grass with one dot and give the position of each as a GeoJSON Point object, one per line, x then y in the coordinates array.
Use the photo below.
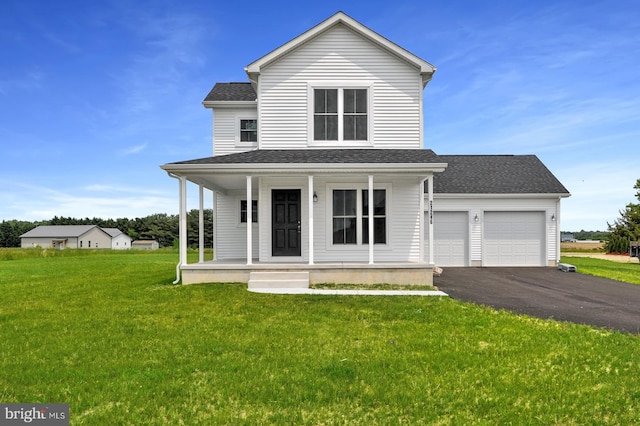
{"type": "Point", "coordinates": [622, 258]}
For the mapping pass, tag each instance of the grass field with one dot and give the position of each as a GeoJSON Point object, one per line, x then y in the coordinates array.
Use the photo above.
{"type": "Point", "coordinates": [583, 246]}
{"type": "Point", "coordinates": [108, 334]}
{"type": "Point", "coordinates": [626, 272]}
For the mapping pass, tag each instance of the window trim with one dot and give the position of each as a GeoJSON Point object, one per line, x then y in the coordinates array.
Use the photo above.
{"type": "Point", "coordinates": [340, 86]}
{"type": "Point", "coordinates": [375, 216]}
{"type": "Point", "coordinates": [253, 203]}
{"type": "Point", "coordinates": [238, 131]}
{"type": "Point", "coordinates": [359, 246]}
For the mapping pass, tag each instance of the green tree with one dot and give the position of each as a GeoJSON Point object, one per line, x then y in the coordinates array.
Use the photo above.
{"type": "Point", "coordinates": [193, 228]}
{"type": "Point", "coordinates": [11, 230]}
{"type": "Point", "coordinates": [627, 227]}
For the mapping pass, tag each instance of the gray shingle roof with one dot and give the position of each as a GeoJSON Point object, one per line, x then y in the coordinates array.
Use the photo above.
{"type": "Point", "coordinates": [114, 232]}
{"type": "Point", "coordinates": [231, 92]}
{"type": "Point", "coordinates": [322, 156]}
{"type": "Point", "coordinates": [58, 231]}
{"type": "Point", "coordinates": [496, 174]}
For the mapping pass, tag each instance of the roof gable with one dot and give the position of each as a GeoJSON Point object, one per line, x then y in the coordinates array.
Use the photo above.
{"type": "Point", "coordinates": [496, 174]}
{"type": "Point", "coordinates": [340, 18]}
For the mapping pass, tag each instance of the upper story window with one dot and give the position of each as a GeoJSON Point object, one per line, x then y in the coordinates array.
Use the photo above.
{"type": "Point", "coordinates": [249, 130]}
{"type": "Point", "coordinates": [340, 114]}
{"type": "Point", "coordinates": [325, 114]}
{"type": "Point", "coordinates": [355, 114]}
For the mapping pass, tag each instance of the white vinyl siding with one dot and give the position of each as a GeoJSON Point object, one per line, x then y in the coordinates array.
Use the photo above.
{"type": "Point", "coordinates": [340, 58]}
{"type": "Point", "coordinates": [226, 130]}
{"type": "Point", "coordinates": [402, 216]}
{"type": "Point", "coordinates": [231, 238]}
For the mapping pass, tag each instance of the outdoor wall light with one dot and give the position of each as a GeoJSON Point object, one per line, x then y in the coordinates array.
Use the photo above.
{"type": "Point", "coordinates": [315, 197]}
{"type": "Point", "coordinates": [476, 218]}
{"type": "Point", "coordinates": [553, 217]}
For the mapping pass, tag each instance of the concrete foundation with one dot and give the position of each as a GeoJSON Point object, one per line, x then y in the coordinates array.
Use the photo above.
{"type": "Point", "coordinates": [396, 273]}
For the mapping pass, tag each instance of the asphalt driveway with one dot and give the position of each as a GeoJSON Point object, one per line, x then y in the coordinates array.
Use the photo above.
{"type": "Point", "coordinates": [548, 293]}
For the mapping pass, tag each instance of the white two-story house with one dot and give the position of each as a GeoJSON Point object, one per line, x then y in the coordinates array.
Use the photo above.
{"type": "Point", "coordinates": [320, 171]}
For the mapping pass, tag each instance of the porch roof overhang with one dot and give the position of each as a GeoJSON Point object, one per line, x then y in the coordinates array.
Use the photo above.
{"type": "Point", "coordinates": [227, 172]}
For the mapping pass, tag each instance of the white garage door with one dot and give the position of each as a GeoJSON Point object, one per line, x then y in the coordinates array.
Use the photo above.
{"type": "Point", "coordinates": [450, 238]}
{"type": "Point", "coordinates": [513, 239]}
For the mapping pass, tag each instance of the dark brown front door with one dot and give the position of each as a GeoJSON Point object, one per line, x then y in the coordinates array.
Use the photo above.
{"type": "Point", "coordinates": [286, 232]}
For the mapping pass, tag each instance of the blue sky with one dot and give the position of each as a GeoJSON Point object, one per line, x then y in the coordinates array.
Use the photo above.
{"type": "Point", "coordinates": [95, 95]}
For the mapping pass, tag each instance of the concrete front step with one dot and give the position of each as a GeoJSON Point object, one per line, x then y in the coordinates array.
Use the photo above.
{"type": "Point", "coordinates": [279, 279]}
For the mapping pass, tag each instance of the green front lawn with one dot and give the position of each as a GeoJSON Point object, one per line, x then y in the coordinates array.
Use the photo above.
{"type": "Point", "coordinates": [626, 272]}
{"type": "Point", "coordinates": [107, 333]}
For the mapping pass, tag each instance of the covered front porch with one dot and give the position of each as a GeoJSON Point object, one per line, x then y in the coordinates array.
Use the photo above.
{"type": "Point", "coordinates": [297, 228]}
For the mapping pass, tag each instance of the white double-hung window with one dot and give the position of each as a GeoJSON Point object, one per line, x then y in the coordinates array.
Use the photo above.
{"type": "Point", "coordinates": [248, 130]}
{"type": "Point", "coordinates": [341, 115]}
{"type": "Point", "coordinates": [350, 216]}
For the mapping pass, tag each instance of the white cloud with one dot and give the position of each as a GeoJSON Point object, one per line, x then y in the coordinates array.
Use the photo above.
{"type": "Point", "coordinates": [35, 202]}
{"type": "Point", "coordinates": [599, 190]}
{"type": "Point", "coordinates": [27, 81]}
{"type": "Point", "coordinates": [134, 149]}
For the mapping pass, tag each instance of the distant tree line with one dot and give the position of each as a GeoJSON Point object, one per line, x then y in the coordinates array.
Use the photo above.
{"type": "Point", "coordinates": [589, 235]}
{"type": "Point", "coordinates": [160, 227]}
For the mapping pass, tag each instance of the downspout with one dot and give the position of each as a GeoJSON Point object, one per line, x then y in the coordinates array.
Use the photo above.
{"type": "Point", "coordinates": [182, 210]}
{"type": "Point", "coordinates": [558, 230]}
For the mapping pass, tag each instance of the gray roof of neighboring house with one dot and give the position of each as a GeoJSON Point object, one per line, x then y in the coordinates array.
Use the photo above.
{"type": "Point", "coordinates": [496, 174]}
{"type": "Point", "coordinates": [322, 156]}
{"type": "Point", "coordinates": [58, 231]}
{"type": "Point", "coordinates": [114, 232]}
{"type": "Point", "coordinates": [231, 92]}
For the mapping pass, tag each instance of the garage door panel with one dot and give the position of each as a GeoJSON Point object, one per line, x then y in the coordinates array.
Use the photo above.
{"type": "Point", "coordinates": [514, 239]}
{"type": "Point", "coordinates": [451, 238]}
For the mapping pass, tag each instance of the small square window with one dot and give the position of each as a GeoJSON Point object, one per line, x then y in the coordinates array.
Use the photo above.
{"type": "Point", "coordinates": [243, 211]}
{"type": "Point", "coordinates": [248, 130]}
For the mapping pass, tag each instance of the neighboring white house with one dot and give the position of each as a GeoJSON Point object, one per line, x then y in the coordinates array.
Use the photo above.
{"type": "Point", "coordinates": [145, 245]}
{"type": "Point", "coordinates": [66, 236]}
{"type": "Point", "coordinates": [321, 151]}
{"type": "Point", "coordinates": [119, 240]}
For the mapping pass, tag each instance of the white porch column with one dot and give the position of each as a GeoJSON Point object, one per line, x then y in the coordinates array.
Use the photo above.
{"type": "Point", "coordinates": [430, 190]}
{"type": "Point", "coordinates": [182, 229]}
{"type": "Point", "coordinates": [370, 213]}
{"type": "Point", "coordinates": [201, 224]}
{"type": "Point", "coordinates": [310, 199]}
{"type": "Point", "coordinates": [214, 228]}
{"type": "Point", "coordinates": [249, 223]}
